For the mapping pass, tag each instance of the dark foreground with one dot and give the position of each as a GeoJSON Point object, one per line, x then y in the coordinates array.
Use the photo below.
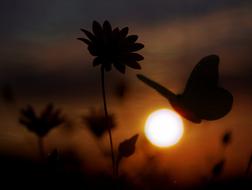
{"type": "Point", "coordinates": [55, 174]}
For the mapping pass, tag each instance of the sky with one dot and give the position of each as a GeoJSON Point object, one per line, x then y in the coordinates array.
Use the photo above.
{"type": "Point", "coordinates": [38, 38]}
{"type": "Point", "coordinates": [42, 60]}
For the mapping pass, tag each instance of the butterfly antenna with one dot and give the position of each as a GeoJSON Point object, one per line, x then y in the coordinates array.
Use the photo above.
{"type": "Point", "coordinates": [159, 88]}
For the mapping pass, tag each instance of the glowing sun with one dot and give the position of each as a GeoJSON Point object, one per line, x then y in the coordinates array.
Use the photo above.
{"type": "Point", "coordinates": [164, 128]}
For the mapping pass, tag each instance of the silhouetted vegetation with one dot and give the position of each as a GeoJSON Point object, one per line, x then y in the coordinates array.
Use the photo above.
{"type": "Point", "coordinates": [227, 138]}
{"type": "Point", "coordinates": [126, 149]}
{"type": "Point", "coordinates": [42, 123]}
{"type": "Point", "coordinates": [218, 168]}
{"type": "Point", "coordinates": [112, 47]}
{"type": "Point", "coordinates": [96, 122]}
{"type": "Point", "coordinates": [249, 165]}
{"type": "Point", "coordinates": [121, 90]}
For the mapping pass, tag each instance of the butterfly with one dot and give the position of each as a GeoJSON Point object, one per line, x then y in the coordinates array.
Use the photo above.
{"type": "Point", "coordinates": [203, 98]}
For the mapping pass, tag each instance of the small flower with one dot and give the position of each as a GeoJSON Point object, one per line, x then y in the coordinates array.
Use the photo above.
{"type": "Point", "coordinates": [121, 89]}
{"type": "Point", "coordinates": [218, 168]}
{"type": "Point", "coordinates": [113, 47]}
{"type": "Point", "coordinates": [96, 122]}
{"type": "Point", "coordinates": [43, 123]}
{"type": "Point", "coordinates": [227, 138]}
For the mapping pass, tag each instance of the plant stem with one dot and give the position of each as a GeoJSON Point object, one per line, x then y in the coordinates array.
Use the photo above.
{"type": "Point", "coordinates": [248, 166]}
{"type": "Point", "coordinates": [117, 166]}
{"type": "Point", "coordinates": [106, 119]}
{"type": "Point", "coordinates": [41, 147]}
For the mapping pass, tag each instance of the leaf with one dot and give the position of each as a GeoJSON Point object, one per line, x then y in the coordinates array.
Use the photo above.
{"type": "Point", "coordinates": [127, 147]}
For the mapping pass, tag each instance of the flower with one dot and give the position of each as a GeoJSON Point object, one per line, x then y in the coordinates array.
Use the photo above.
{"type": "Point", "coordinates": [43, 123]}
{"type": "Point", "coordinates": [113, 47]}
{"type": "Point", "coordinates": [96, 122]}
{"type": "Point", "coordinates": [227, 138]}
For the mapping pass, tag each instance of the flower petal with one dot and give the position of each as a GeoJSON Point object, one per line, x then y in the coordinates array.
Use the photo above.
{"type": "Point", "coordinates": [107, 27]}
{"type": "Point", "coordinates": [97, 29]}
{"type": "Point", "coordinates": [116, 30]}
{"type": "Point", "coordinates": [132, 38]}
{"type": "Point", "coordinates": [97, 61]}
{"type": "Point", "coordinates": [135, 47]}
{"type": "Point", "coordinates": [133, 57]}
{"type": "Point", "coordinates": [86, 41]}
{"type": "Point", "coordinates": [120, 67]}
{"type": "Point", "coordinates": [24, 121]}
{"type": "Point", "coordinates": [124, 32]}
{"type": "Point", "coordinates": [133, 64]}
{"type": "Point", "coordinates": [89, 34]}
{"type": "Point", "coordinates": [92, 50]}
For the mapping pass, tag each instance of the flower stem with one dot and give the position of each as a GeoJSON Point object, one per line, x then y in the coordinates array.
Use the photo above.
{"type": "Point", "coordinates": [106, 119]}
{"type": "Point", "coordinates": [41, 147]}
{"type": "Point", "coordinates": [117, 166]}
{"type": "Point", "coordinates": [248, 166]}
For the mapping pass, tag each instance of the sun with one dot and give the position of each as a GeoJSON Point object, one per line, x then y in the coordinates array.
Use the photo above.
{"type": "Point", "coordinates": [164, 128]}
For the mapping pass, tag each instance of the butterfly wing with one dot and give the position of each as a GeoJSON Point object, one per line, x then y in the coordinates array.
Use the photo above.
{"type": "Point", "coordinates": [204, 75]}
{"type": "Point", "coordinates": [202, 94]}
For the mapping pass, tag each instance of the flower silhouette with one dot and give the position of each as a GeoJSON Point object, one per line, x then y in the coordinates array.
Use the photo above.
{"type": "Point", "coordinates": [113, 47]}
{"type": "Point", "coordinates": [43, 123]}
{"type": "Point", "coordinates": [96, 122]}
{"type": "Point", "coordinates": [227, 138]}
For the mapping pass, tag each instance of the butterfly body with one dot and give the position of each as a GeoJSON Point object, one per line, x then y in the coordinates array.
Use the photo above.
{"type": "Point", "coordinates": [202, 98]}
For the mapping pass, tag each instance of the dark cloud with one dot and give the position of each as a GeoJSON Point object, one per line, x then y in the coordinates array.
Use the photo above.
{"type": "Point", "coordinates": [33, 81]}
{"type": "Point", "coordinates": [37, 19]}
